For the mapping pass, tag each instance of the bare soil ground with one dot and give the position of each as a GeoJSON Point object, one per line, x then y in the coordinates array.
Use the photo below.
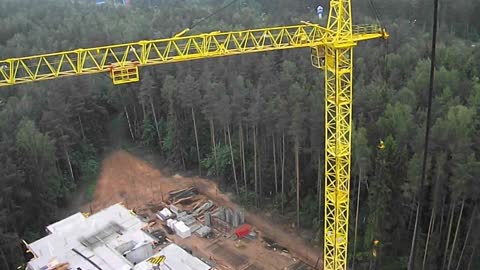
{"type": "Point", "coordinates": [134, 182]}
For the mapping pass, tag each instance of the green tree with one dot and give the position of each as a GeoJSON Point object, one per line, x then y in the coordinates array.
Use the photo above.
{"type": "Point", "coordinates": [37, 161]}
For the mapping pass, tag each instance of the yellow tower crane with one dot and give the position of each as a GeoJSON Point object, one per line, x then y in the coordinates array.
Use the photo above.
{"type": "Point", "coordinates": [331, 51]}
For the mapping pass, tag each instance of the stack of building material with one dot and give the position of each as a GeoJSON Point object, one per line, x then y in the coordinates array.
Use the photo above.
{"type": "Point", "coordinates": [182, 230]}
{"type": "Point", "coordinates": [181, 214]}
{"type": "Point", "coordinates": [208, 219]}
{"type": "Point", "coordinates": [220, 213]}
{"type": "Point", "coordinates": [205, 207]}
{"type": "Point", "coordinates": [204, 231]}
{"type": "Point", "coordinates": [187, 219]}
{"type": "Point", "coordinates": [186, 200]}
{"type": "Point", "coordinates": [220, 224]}
{"type": "Point", "coordinates": [171, 223]}
{"type": "Point", "coordinates": [164, 214]}
{"type": "Point", "coordinates": [174, 209]}
{"type": "Point", "coordinates": [195, 227]}
{"type": "Point", "coordinates": [231, 217]}
{"type": "Point", "coordinates": [176, 195]}
{"type": "Point", "coordinates": [235, 220]}
{"type": "Point", "coordinates": [241, 216]}
{"type": "Point", "coordinates": [228, 215]}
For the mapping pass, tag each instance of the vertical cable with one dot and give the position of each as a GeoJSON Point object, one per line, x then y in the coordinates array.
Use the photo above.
{"type": "Point", "coordinates": [212, 14]}
{"type": "Point", "coordinates": [420, 192]}
{"type": "Point", "coordinates": [375, 12]}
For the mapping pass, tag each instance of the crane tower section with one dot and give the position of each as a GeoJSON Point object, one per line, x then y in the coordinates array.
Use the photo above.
{"type": "Point", "coordinates": [336, 60]}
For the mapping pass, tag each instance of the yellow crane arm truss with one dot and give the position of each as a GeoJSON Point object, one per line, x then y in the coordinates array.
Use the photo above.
{"type": "Point", "coordinates": [126, 58]}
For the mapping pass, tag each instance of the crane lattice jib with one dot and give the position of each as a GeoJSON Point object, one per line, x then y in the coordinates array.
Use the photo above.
{"type": "Point", "coordinates": [331, 51]}
{"type": "Point", "coordinates": [20, 70]}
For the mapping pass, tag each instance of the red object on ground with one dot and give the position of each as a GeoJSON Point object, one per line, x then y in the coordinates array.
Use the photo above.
{"type": "Point", "coordinates": [242, 231]}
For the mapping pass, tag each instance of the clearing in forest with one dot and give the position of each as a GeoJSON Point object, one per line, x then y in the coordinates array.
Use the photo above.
{"type": "Point", "coordinates": [128, 179]}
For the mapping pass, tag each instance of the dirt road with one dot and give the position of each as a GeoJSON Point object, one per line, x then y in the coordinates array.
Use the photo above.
{"type": "Point", "coordinates": [125, 178]}
{"type": "Point", "coordinates": [128, 179]}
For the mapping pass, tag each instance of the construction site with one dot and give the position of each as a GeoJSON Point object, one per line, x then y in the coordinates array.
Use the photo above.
{"type": "Point", "coordinates": [188, 212]}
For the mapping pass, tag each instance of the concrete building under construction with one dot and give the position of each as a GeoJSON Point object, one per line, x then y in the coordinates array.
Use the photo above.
{"type": "Point", "coordinates": [111, 239]}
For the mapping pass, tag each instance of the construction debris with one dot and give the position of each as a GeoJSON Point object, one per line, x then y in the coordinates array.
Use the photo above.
{"type": "Point", "coordinates": [158, 235]}
{"type": "Point", "coordinates": [271, 244]}
{"type": "Point", "coordinates": [252, 235]}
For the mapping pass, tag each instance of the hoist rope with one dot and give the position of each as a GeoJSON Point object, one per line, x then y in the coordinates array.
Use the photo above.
{"type": "Point", "coordinates": [212, 14]}
{"type": "Point", "coordinates": [375, 12]}
{"type": "Point", "coordinates": [379, 19]}
{"type": "Point", "coordinates": [420, 191]}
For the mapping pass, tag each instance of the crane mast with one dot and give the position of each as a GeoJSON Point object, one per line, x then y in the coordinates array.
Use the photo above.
{"type": "Point", "coordinates": [331, 51]}
{"type": "Point", "coordinates": [338, 134]}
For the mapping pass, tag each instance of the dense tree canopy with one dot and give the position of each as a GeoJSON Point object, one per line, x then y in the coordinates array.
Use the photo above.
{"type": "Point", "coordinates": [255, 122]}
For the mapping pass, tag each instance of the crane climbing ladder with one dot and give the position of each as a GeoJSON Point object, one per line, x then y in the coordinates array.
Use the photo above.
{"type": "Point", "coordinates": [331, 51]}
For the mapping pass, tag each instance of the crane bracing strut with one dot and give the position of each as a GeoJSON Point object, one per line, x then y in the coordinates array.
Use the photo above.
{"type": "Point", "coordinates": [331, 51]}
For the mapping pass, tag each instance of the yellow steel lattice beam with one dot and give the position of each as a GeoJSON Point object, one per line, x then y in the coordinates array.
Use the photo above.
{"type": "Point", "coordinates": [338, 116]}
{"type": "Point", "coordinates": [169, 50]}
{"type": "Point", "coordinates": [152, 52]}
